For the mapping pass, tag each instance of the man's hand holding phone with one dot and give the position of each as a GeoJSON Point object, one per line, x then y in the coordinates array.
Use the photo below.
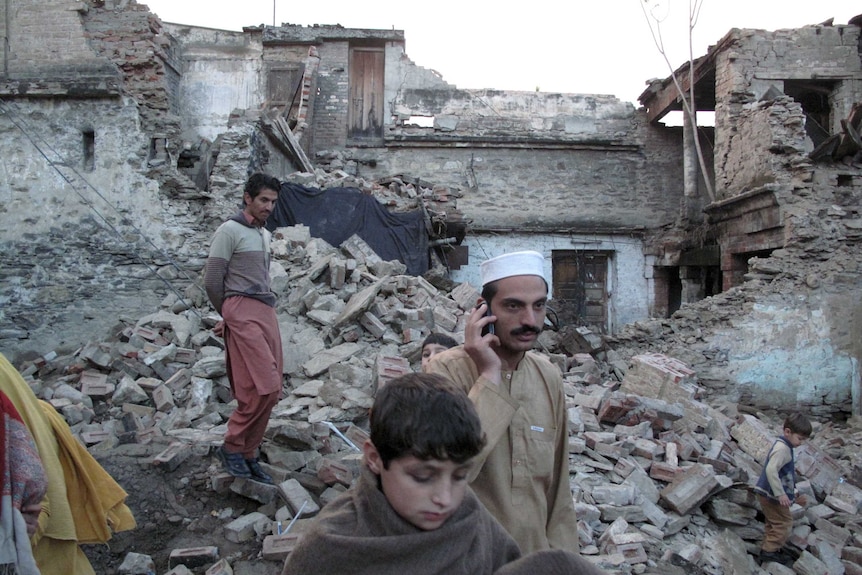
{"type": "Point", "coordinates": [480, 340]}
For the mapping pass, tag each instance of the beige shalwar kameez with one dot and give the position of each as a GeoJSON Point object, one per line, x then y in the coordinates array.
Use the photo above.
{"type": "Point", "coordinates": [522, 475]}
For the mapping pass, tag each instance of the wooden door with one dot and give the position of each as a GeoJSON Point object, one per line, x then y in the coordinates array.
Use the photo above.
{"type": "Point", "coordinates": [365, 112]}
{"type": "Point", "coordinates": [580, 288]}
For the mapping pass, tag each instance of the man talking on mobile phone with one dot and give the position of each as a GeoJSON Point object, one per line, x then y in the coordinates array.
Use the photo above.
{"type": "Point", "coordinates": [522, 474]}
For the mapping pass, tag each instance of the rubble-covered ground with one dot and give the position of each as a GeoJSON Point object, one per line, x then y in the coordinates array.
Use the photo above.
{"type": "Point", "coordinates": [662, 453]}
{"type": "Point", "coordinates": [660, 478]}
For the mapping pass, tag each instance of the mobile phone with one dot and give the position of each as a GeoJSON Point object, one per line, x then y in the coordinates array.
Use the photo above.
{"type": "Point", "coordinates": [490, 327]}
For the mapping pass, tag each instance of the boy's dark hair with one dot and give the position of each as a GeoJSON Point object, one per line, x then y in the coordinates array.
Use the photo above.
{"type": "Point", "coordinates": [798, 423]}
{"type": "Point", "coordinates": [439, 339]}
{"type": "Point", "coordinates": [426, 416]}
{"type": "Point", "coordinates": [258, 182]}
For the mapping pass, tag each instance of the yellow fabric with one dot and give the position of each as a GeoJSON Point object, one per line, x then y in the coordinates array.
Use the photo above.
{"type": "Point", "coordinates": [82, 500]}
{"type": "Point", "coordinates": [58, 557]}
{"type": "Point", "coordinates": [96, 500]}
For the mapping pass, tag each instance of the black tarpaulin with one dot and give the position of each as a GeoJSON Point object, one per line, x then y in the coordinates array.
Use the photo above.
{"type": "Point", "coordinates": [336, 214]}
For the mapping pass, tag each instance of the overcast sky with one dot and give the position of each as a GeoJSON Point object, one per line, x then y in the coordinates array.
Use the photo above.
{"type": "Point", "coordinates": [595, 47]}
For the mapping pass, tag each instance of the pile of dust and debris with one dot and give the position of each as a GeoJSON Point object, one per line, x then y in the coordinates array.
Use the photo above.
{"type": "Point", "coordinates": [660, 466]}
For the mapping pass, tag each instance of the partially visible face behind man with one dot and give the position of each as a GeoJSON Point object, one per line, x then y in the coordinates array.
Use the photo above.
{"type": "Point", "coordinates": [429, 351]}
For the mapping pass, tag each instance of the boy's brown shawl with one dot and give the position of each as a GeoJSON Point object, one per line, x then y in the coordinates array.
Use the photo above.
{"type": "Point", "coordinates": [359, 532]}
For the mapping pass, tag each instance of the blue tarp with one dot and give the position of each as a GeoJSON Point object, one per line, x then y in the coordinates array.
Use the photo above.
{"type": "Point", "coordinates": [335, 214]}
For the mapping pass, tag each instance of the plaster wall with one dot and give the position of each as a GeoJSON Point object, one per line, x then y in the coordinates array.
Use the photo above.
{"type": "Point", "coordinates": [222, 72]}
{"type": "Point", "coordinates": [628, 296]}
{"type": "Point", "coordinates": [788, 353]}
{"type": "Point", "coordinates": [542, 188]}
{"type": "Point", "coordinates": [41, 194]}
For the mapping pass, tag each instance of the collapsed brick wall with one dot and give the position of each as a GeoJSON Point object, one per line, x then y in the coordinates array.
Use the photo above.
{"type": "Point", "coordinates": [330, 111]}
{"type": "Point", "coordinates": [134, 41]}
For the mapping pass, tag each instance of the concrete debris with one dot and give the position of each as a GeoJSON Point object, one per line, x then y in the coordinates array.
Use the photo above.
{"type": "Point", "coordinates": [659, 476]}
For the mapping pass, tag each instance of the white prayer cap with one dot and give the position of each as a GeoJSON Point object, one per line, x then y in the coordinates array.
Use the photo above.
{"type": "Point", "coordinates": [527, 263]}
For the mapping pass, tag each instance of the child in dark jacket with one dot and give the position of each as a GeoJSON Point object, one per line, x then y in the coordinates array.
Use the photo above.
{"type": "Point", "coordinates": [776, 487]}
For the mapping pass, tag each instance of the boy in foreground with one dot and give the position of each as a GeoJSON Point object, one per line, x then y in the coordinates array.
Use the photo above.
{"type": "Point", "coordinates": [776, 488]}
{"type": "Point", "coordinates": [411, 510]}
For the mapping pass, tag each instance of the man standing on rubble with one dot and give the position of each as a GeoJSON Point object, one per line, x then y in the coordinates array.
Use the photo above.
{"type": "Point", "coordinates": [522, 474]}
{"type": "Point", "coordinates": [238, 285]}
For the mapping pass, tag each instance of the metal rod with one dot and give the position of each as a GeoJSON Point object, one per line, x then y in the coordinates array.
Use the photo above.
{"type": "Point", "coordinates": [341, 435]}
{"type": "Point", "coordinates": [295, 517]}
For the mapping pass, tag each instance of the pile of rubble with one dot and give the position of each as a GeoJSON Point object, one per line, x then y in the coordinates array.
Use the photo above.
{"type": "Point", "coordinates": [659, 477]}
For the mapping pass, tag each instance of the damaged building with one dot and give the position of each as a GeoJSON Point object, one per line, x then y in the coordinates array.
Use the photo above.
{"type": "Point", "coordinates": [125, 140]}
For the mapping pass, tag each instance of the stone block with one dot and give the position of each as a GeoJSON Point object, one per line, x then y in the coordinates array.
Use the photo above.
{"type": "Point", "coordinates": [647, 448]}
{"type": "Point", "coordinates": [690, 489]}
{"type": "Point", "coordinates": [246, 527]}
{"type": "Point", "coordinates": [646, 487]}
{"type": "Point", "coordinates": [327, 357]}
{"type": "Point", "coordinates": [653, 513]}
{"type": "Point", "coordinates": [586, 340]}
{"type": "Point", "coordinates": [389, 367]}
{"type": "Point", "coordinates": [444, 319]}
{"type": "Point", "coordinates": [663, 471]}
{"type": "Point", "coordinates": [136, 564]}
{"type": "Point", "coordinates": [139, 411]}
{"type": "Point", "coordinates": [595, 437]}
{"type": "Point", "coordinates": [821, 470]}
{"type": "Point", "coordinates": [753, 437]}
{"type": "Point", "coordinates": [624, 467]}
{"type": "Point", "coordinates": [260, 492]}
{"type": "Point", "coordinates": [185, 355]}
{"type": "Point", "coordinates": [614, 494]}
{"type": "Point", "coordinates": [660, 377]}
{"type": "Point", "coordinates": [845, 498]}
{"type": "Point", "coordinates": [221, 482]}
{"type": "Point", "coordinates": [633, 551]}
{"type": "Point", "coordinates": [278, 547]}
{"type": "Point", "coordinates": [372, 324]}
{"type": "Point", "coordinates": [465, 295]}
{"type": "Point", "coordinates": [94, 437]}
{"type": "Point", "coordinates": [808, 564]}
{"type": "Point", "coordinates": [147, 435]}
{"type": "Point", "coordinates": [631, 513]}
{"type": "Point", "coordinates": [332, 472]}
{"type": "Point", "coordinates": [358, 304]}
{"type": "Point", "coordinates": [163, 398]}
{"type": "Point", "coordinates": [172, 456]}
{"type": "Point", "coordinates": [577, 444]}
{"type": "Point", "coordinates": [95, 384]}
{"type": "Point", "coordinates": [728, 513]}
{"type": "Point", "coordinates": [615, 408]}
{"type": "Point", "coordinates": [297, 497]}
{"type": "Point", "coordinates": [193, 557]}
{"type": "Point", "coordinates": [588, 400]}
{"type": "Point", "coordinates": [179, 380]}
{"type": "Point", "coordinates": [828, 531]}
{"type": "Point", "coordinates": [149, 383]}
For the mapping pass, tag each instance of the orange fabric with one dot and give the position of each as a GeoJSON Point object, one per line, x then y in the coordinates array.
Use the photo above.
{"type": "Point", "coordinates": [254, 364]}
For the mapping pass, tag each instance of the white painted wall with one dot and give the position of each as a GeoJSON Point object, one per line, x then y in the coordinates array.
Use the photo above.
{"type": "Point", "coordinates": [223, 72]}
{"type": "Point", "coordinates": [787, 353]}
{"type": "Point", "coordinates": [628, 288]}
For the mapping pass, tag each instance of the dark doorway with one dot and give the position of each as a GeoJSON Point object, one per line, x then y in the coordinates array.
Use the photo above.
{"type": "Point", "coordinates": [580, 288]}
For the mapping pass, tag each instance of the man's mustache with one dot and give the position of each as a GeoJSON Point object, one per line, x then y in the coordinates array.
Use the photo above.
{"type": "Point", "coordinates": [526, 329]}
